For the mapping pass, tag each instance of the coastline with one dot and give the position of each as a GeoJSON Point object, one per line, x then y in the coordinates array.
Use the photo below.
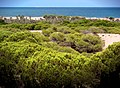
{"type": "Point", "coordinates": [25, 17]}
{"type": "Point", "coordinates": [42, 18]}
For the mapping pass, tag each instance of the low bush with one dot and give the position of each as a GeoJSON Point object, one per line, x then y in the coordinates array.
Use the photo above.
{"type": "Point", "coordinates": [57, 37]}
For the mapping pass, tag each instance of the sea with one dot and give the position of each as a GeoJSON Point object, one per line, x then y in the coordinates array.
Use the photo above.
{"type": "Point", "coordinates": [66, 11]}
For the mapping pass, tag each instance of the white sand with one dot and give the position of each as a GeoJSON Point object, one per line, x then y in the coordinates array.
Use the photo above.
{"type": "Point", "coordinates": [41, 18]}
{"type": "Point", "coordinates": [109, 38]}
{"type": "Point", "coordinates": [40, 31]}
{"type": "Point", "coordinates": [32, 18]}
{"type": "Point", "coordinates": [94, 18]}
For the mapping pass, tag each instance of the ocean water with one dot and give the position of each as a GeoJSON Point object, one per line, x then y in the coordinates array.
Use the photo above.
{"type": "Point", "coordinates": [67, 11]}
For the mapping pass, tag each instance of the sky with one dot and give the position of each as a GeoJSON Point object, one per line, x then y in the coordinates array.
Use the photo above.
{"type": "Point", "coordinates": [59, 3]}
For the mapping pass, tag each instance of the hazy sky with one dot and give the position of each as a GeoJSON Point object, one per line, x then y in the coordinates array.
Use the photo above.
{"type": "Point", "coordinates": [60, 3]}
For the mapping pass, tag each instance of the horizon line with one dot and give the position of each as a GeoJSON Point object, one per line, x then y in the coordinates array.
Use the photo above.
{"type": "Point", "coordinates": [66, 6]}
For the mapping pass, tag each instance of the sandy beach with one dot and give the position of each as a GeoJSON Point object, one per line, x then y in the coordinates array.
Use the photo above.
{"type": "Point", "coordinates": [26, 17]}
{"type": "Point", "coordinates": [42, 18]}
{"type": "Point", "coordinates": [95, 18]}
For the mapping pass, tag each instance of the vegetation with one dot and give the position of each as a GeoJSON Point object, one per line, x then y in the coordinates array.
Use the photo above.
{"type": "Point", "coordinates": [67, 54]}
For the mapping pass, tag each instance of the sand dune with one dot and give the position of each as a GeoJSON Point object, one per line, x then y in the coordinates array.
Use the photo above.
{"type": "Point", "coordinates": [109, 38]}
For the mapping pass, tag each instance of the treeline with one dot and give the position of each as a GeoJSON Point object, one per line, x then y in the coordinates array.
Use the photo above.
{"type": "Point", "coordinates": [48, 18]}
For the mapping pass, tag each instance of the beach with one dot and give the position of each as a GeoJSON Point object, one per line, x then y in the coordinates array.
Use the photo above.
{"type": "Point", "coordinates": [42, 18]}
{"type": "Point", "coordinates": [25, 17]}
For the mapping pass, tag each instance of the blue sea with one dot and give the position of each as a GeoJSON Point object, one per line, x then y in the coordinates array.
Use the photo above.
{"type": "Point", "coordinates": [66, 11]}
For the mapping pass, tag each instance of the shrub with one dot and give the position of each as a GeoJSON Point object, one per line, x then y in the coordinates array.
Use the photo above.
{"type": "Point", "coordinates": [59, 48]}
{"type": "Point", "coordinates": [57, 37]}
{"type": "Point", "coordinates": [110, 71]}
{"type": "Point", "coordinates": [96, 30]}
{"type": "Point", "coordinates": [37, 27]}
{"type": "Point", "coordinates": [31, 37]}
{"type": "Point", "coordinates": [2, 22]}
{"type": "Point", "coordinates": [65, 30]}
{"type": "Point", "coordinates": [37, 66]}
{"type": "Point", "coordinates": [4, 34]}
{"type": "Point", "coordinates": [30, 26]}
{"type": "Point", "coordinates": [47, 32]}
{"type": "Point", "coordinates": [14, 25]}
{"type": "Point", "coordinates": [89, 43]}
{"type": "Point", "coordinates": [84, 42]}
{"type": "Point", "coordinates": [42, 25]}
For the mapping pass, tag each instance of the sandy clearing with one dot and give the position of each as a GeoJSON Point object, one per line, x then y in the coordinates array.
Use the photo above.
{"type": "Point", "coordinates": [109, 38]}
